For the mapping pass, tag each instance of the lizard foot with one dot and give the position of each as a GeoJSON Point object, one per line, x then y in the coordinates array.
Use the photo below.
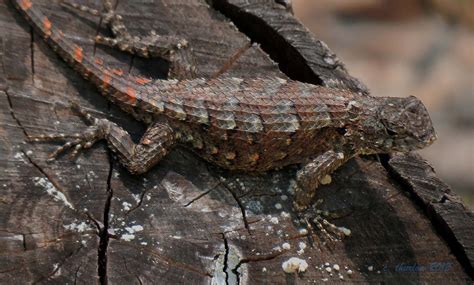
{"type": "Point", "coordinates": [152, 45]}
{"type": "Point", "coordinates": [97, 130]}
{"type": "Point", "coordinates": [314, 219]}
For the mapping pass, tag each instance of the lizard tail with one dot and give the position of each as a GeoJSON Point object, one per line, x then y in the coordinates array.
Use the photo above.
{"type": "Point", "coordinates": [111, 85]}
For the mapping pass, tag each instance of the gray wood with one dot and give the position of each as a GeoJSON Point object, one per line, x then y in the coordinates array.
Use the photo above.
{"type": "Point", "coordinates": [453, 220]}
{"type": "Point", "coordinates": [298, 52]}
{"type": "Point", "coordinates": [178, 224]}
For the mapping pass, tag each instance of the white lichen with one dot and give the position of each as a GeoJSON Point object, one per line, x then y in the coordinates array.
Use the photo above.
{"type": "Point", "coordinates": [78, 227]}
{"type": "Point", "coordinates": [294, 264]}
{"type": "Point", "coordinates": [274, 220]}
{"type": "Point", "coordinates": [127, 237]}
{"type": "Point", "coordinates": [52, 191]}
{"type": "Point", "coordinates": [303, 231]}
{"type": "Point", "coordinates": [302, 247]}
{"type": "Point", "coordinates": [126, 206]}
{"type": "Point", "coordinates": [19, 156]}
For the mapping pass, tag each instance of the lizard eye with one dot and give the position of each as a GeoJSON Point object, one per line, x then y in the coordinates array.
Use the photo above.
{"type": "Point", "coordinates": [390, 132]}
{"type": "Point", "coordinates": [342, 131]}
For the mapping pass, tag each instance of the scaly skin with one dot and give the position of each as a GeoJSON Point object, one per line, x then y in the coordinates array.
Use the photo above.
{"type": "Point", "coordinates": [246, 125]}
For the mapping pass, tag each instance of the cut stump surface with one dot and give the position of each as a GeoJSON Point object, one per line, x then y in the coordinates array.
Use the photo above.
{"type": "Point", "coordinates": [90, 220]}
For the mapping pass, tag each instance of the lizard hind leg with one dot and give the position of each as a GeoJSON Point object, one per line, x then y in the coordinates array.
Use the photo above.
{"type": "Point", "coordinates": [308, 179]}
{"type": "Point", "coordinates": [152, 45]}
{"type": "Point", "coordinates": [137, 158]}
{"type": "Point", "coordinates": [314, 173]}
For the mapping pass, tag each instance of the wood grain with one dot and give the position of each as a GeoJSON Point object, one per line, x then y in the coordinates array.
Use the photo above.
{"type": "Point", "coordinates": [178, 224]}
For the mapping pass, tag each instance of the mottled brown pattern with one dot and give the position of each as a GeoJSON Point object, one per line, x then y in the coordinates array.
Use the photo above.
{"type": "Point", "coordinates": [247, 125]}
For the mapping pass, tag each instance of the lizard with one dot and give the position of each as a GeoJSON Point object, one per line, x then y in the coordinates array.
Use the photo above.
{"type": "Point", "coordinates": [249, 125]}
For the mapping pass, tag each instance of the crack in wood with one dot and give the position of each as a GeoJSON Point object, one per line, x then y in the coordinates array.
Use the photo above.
{"type": "Point", "coordinates": [128, 270]}
{"type": "Point", "coordinates": [50, 178]}
{"type": "Point", "coordinates": [240, 204]}
{"type": "Point", "coordinates": [260, 32]}
{"type": "Point", "coordinates": [104, 232]}
{"type": "Point", "coordinates": [240, 228]}
{"type": "Point", "coordinates": [76, 273]}
{"type": "Point", "coordinates": [12, 113]}
{"type": "Point", "coordinates": [57, 267]}
{"type": "Point", "coordinates": [140, 202]}
{"type": "Point", "coordinates": [407, 180]}
{"type": "Point", "coordinates": [255, 258]}
{"type": "Point", "coordinates": [226, 259]}
{"type": "Point", "coordinates": [32, 54]}
{"type": "Point", "coordinates": [23, 242]}
{"type": "Point", "coordinates": [170, 262]}
{"type": "Point", "coordinates": [201, 195]}
{"type": "Point", "coordinates": [96, 223]}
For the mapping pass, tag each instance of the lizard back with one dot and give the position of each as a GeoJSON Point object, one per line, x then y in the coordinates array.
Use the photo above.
{"type": "Point", "coordinates": [232, 122]}
{"type": "Point", "coordinates": [252, 105]}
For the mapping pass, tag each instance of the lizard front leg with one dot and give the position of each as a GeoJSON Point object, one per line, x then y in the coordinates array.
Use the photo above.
{"type": "Point", "coordinates": [137, 158]}
{"type": "Point", "coordinates": [310, 176]}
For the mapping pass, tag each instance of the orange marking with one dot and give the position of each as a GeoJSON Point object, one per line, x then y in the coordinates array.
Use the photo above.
{"type": "Point", "coordinates": [99, 61]}
{"type": "Point", "coordinates": [78, 55]}
{"type": "Point", "coordinates": [25, 4]}
{"type": "Point", "coordinates": [118, 71]}
{"type": "Point", "coordinates": [106, 78]}
{"type": "Point", "coordinates": [254, 157]}
{"type": "Point", "coordinates": [131, 94]}
{"type": "Point", "coordinates": [230, 155]}
{"type": "Point", "coordinates": [47, 25]}
{"type": "Point", "coordinates": [142, 80]}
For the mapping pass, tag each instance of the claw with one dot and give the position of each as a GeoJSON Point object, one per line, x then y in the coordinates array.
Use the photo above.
{"type": "Point", "coordinates": [78, 142]}
{"type": "Point", "coordinates": [76, 151]}
{"type": "Point", "coordinates": [89, 144]}
{"type": "Point", "coordinates": [329, 231]}
{"type": "Point", "coordinates": [53, 137]}
{"type": "Point", "coordinates": [61, 149]}
{"type": "Point", "coordinates": [90, 119]}
{"type": "Point", "coordinates": [82, 8]}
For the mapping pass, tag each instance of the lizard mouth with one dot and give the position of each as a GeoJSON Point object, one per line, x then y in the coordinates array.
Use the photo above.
{"type": "Point", "coordinates": [428, 139]}
{"type": "Point", "coordinates": [410, 144]}
{"type": "Point", "coordinates": [431, 139]}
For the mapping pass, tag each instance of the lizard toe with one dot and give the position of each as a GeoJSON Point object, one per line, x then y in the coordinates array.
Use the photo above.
{"type": "Point", "coordinates": [76, 142]}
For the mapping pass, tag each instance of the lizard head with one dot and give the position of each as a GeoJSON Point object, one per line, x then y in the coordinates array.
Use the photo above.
{"type": "Point", "coordinates": [406, 124]}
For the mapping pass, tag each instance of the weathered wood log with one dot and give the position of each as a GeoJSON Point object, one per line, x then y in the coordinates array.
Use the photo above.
{"type": "Point", "coordinates": [89, 220]}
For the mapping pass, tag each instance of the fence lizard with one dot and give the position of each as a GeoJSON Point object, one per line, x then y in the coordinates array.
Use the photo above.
{"type": "Point", "coordinates": [251, 125]}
